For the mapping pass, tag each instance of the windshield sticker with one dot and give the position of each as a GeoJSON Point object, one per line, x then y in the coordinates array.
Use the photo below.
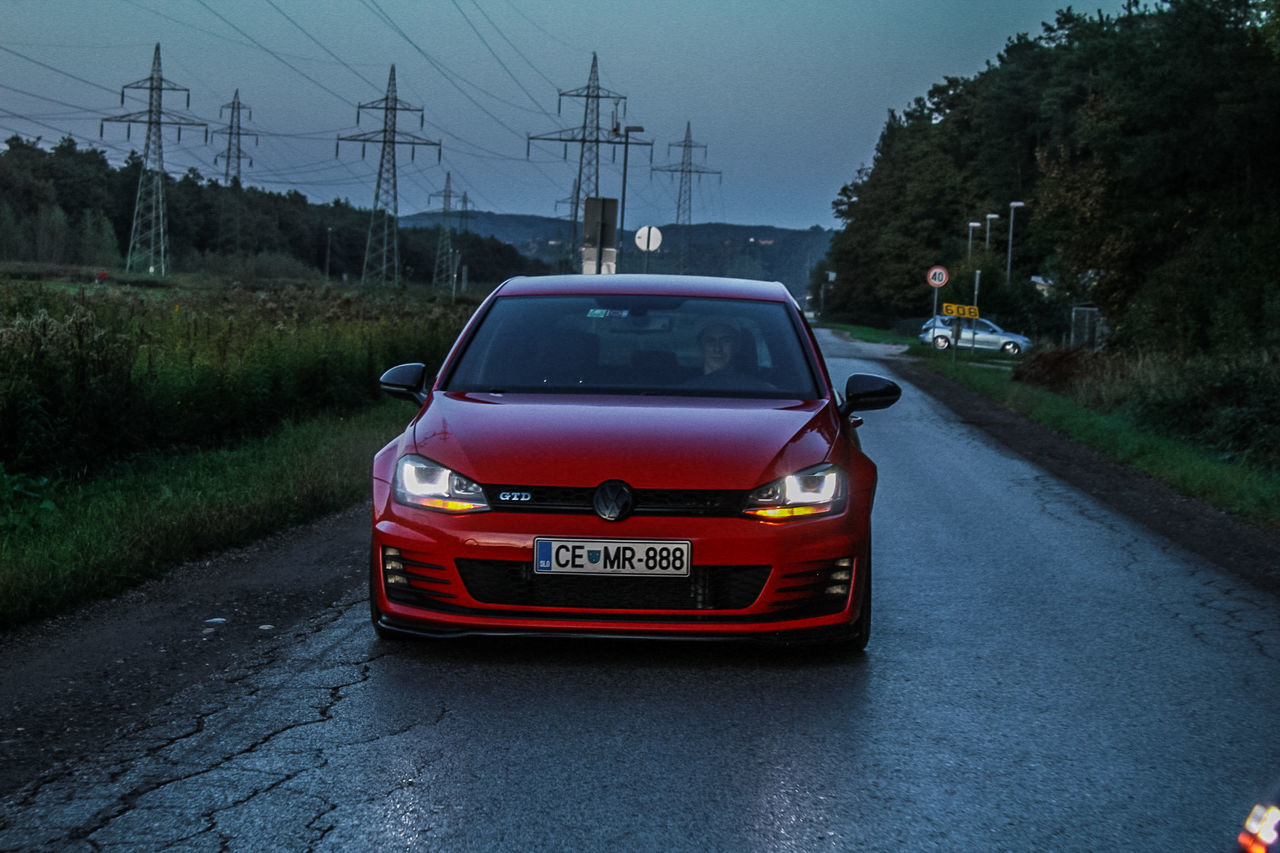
{"type": "Point", "coordinates": [598, 313]}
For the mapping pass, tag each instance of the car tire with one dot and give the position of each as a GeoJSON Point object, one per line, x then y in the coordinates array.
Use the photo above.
{"type": "Point", "coordinates": [1011, 348]}
{"type": "Point", "coordinates": [941, 342]}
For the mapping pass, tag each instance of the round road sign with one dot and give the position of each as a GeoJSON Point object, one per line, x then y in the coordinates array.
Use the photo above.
{"type": "Point", "coordinates": [937, 276]}
{"type": "Point", "coordinates": [648, 239]}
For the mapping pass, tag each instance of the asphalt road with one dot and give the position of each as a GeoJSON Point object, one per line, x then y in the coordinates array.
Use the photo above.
{"type": "Point", "coordinates": [1043, 674]}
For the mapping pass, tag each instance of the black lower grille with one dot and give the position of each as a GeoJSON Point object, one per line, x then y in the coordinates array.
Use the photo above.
{"type": "Point", "coordinates": [515, 584]}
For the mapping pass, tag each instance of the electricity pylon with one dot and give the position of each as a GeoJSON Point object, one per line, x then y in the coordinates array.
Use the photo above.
{"type": "Point", "coordinates": [445, 264]}
{"type": "Point", "coordinates": [231, 207]}
{"type": "Point", "coordinates": [148, 240]}
{"type": "Point", "coordinates": [382, 248]}
{"type": "Point", "coordinates": [590, 137]}
{"type": "Point", "coordinates": [234, 153]}
{"type": "Point", "coordinates": [687, 169]}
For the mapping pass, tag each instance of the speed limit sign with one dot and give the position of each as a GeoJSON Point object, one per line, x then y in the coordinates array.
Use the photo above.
{"type": "Point", "coordinates": [937, 276]}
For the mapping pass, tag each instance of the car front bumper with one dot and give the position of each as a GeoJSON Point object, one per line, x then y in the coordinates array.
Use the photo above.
{"type": "Point", "coordinates": [473, 574]}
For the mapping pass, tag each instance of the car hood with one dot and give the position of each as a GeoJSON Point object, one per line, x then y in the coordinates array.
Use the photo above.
{"type": "Point", "coordinates": [656, 442]}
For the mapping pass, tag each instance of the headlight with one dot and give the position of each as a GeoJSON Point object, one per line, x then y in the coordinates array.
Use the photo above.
{"type": "Point", "coordinates": [423, 483]}
{"type": "Point", "coordinates": [813, 491]}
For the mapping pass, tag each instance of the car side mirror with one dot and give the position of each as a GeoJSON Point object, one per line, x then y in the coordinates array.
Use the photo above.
{"type": "Point", "coordinates": [405, 382]}
{"type": "Point", "coordinates": [864, 392]}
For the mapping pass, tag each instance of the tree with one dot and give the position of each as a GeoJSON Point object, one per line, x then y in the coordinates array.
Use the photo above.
{"type": "Point", "coordinates": [97, 244]}
{"type": "Point", "coordinates": [49, 235]}
{"type": "Point", "coordinates": [1144, 146]}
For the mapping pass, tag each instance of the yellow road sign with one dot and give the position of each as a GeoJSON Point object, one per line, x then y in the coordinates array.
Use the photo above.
{"type": "Point", "coordinates": [951, 309]}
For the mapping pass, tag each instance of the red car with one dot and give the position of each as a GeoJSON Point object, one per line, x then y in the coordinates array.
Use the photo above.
{"type": "Point", "coordinates": [628, 455]}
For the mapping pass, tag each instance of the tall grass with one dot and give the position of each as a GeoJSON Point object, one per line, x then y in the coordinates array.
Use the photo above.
{"type": "Point", "coordinates": [92, 376]}
{"type": "Point", "coordinates": [102, 536]}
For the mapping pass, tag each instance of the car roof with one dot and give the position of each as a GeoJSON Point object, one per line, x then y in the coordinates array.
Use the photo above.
{"type": "Point", "coordinates": [642, 283]}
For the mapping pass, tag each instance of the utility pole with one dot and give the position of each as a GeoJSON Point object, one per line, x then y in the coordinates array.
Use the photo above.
{"type": "Point", "coordinates": [382, 249]}
{"type": "Point", "coordinates": [231, 207]}
{"type": "Point", "coordinates": [590, 137]}
{"type": "Point", "coordinates": [444, 244]}
{"type": "Point", "coordinates": [148, 239]}
{"type": "Point", "coordinates": [686, 169]}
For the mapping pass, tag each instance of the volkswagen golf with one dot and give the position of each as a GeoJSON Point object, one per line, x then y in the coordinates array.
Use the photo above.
{"type": "Point", "coordinates": [628, 455]}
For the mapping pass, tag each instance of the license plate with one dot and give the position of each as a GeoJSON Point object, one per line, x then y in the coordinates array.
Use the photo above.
{"type": "Point", "coordinates": [656, 557]}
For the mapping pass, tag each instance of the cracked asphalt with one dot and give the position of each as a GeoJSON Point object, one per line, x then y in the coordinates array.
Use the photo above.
{"type": "Point", "coordinates": [1045, 671]}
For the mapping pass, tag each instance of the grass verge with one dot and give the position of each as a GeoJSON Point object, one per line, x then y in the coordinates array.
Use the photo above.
{"type": "Point", "coordinates": [1232, 486]}
{"type": "Point", "coordinates": [117, 530]}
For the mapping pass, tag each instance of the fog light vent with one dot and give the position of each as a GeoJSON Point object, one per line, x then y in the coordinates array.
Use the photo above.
{"type": "Point", "coordinates": [393, 572]}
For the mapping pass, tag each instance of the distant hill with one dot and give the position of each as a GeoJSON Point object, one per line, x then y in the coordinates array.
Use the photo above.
{"type": "Point", "coordinates": [745, 251]}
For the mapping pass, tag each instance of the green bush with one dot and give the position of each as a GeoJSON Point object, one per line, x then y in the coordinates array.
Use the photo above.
{"type": "Point", "coordinates": [91, 376]}
{"type": "Point", "coordinates": [1228, 404]}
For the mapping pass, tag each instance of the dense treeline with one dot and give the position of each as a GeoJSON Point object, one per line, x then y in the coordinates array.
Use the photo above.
{"type": "Point", "coordinates": [68, 205]}
{"type": "Point", "coordinates": [1144, 146]}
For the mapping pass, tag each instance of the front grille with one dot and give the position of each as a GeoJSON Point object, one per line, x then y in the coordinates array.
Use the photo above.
{"type": "Point", "coordinates": [671, 502]}
{"type": "Point", "coordinates": [515, 584]}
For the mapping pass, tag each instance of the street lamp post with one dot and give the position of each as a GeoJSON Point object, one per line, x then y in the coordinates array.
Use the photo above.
{"type": "Point", "coordinates": [972, 225]}
{"type": "Point", "coordinates": [1008, 268]}
{"type": "Point", "coordinates": [990, 216]}
{"type": "Point", "coordinates": [622, 205]}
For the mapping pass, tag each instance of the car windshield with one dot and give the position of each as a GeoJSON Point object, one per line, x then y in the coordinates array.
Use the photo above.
{"type": "Point", "coordinates": [622, 344]}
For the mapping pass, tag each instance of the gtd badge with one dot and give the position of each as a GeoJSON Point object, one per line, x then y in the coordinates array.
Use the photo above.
{"type": "Point", "coordinates": [515, 497]}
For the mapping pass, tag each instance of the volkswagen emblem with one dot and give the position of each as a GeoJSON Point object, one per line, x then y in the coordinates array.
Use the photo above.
{"type": "Point", "coordinates": [613, 500]}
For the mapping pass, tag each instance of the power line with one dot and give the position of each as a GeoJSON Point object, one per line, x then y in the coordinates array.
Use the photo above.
{"type": "Point", "coordinates": [499, 31]}
{"type": "Point", "coordinates": [440, 68]}
{"type": "Point", "coordinates": [498, 59]}
{"type": "Point", "coordinates": [273, 54]}
{"type": "Point", "coordinates": [340, 61]}
{"type": "Point", "coordinates": [58, 70]}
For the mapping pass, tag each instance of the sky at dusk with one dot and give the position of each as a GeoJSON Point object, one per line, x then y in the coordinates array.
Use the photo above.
{"type": "Point", "coordinates": [788, 97]}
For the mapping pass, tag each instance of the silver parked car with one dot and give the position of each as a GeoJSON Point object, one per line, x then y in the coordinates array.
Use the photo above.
{"type": "Point", "coordinates": [940, 331]}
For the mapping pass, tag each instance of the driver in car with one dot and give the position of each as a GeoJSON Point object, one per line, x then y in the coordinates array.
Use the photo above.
{"type": "Point", "coordinates": [719, 342]}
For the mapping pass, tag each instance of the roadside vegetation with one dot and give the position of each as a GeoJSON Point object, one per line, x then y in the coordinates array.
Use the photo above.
{"type": "Point", "coordinates": [1206, 428]}
{"type": "Point", "coordinates": [140, 426]}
